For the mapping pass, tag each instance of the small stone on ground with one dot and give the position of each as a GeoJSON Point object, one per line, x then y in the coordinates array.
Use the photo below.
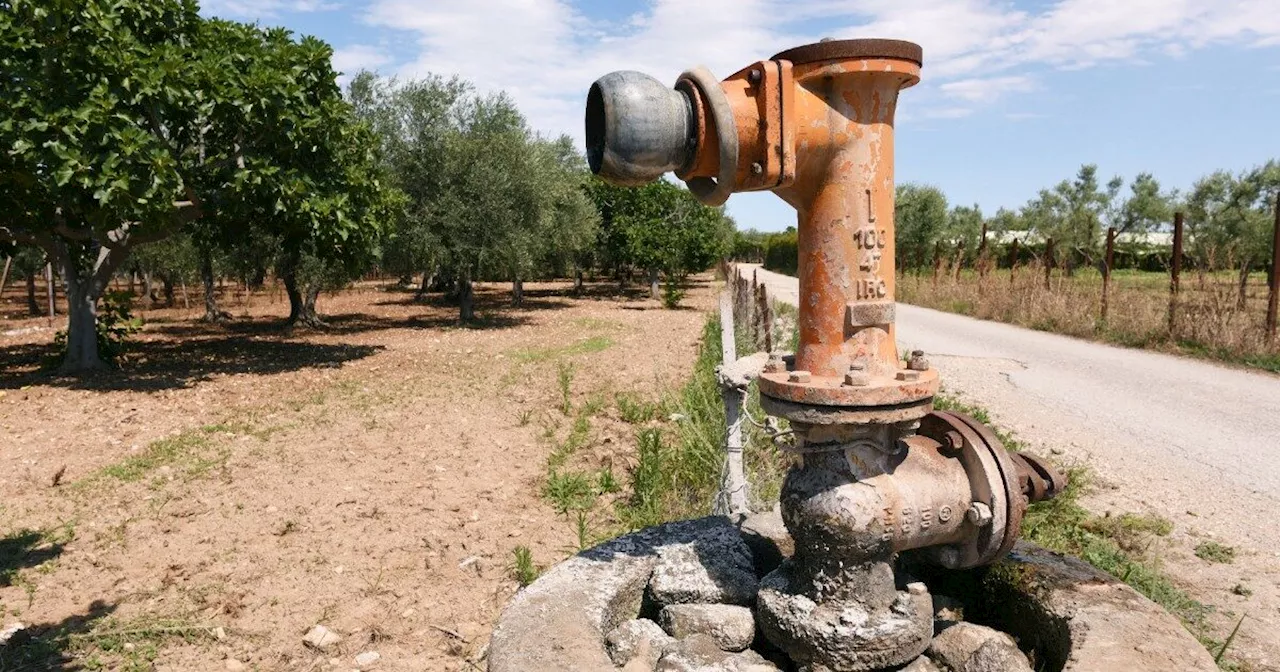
{"type": "Point", "coordinates": [921, 664]}
{"type": "Point", "coordinates": [367, 659]}
{"type": "Point", "coordinates": [321, 638]}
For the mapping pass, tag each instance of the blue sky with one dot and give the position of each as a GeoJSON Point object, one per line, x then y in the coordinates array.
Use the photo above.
{"type": "Point", "coordinates": [1014, 97]}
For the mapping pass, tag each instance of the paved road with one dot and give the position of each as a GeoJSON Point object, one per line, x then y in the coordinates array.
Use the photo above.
{"type": "Point", "coordinates": [1184, 437]}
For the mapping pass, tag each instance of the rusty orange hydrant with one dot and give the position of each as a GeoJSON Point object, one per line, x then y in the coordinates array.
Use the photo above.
{"type": "Point", "coordinates": [881, 473]}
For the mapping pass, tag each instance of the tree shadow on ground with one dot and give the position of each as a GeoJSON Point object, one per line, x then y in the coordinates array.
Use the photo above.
{"type": "Point", "coordinates": [25, 549]}
{"type": "Point", "coordinates": [166, 364]}
{"type": "Point", "coordinates": [50, 646]}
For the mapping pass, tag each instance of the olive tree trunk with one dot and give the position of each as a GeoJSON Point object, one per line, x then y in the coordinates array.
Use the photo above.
{"type": "Point", "coordinates": [33, 308]}
{"type": "Point", "coordinates": [654, 291]}
{"type": "Point", "coordinates": [517, 292]}
{"type": "Point", "coordinates": [466, 297]}
{"type": "Point", "coordinates": [211, 311]}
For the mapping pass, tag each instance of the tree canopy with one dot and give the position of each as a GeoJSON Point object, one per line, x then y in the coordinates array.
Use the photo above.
{"type": "Point", "coordinates": [128, 120]}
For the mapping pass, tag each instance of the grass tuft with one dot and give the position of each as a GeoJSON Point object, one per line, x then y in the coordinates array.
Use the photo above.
{"type": "Point", "coordinates": [1213, 552]}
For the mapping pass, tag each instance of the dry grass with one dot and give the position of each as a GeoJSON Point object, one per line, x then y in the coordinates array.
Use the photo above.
{"type": "Point", "coordinates": [1209, 320]}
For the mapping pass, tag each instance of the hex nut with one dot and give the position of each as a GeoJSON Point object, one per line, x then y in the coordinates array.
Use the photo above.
{"type": "Point", "coordinates": [857, 379]}
{"type": "Point", "coordinates": [776, 364]}
{"type": "Point", "coordinates": [799, 377]}
{"type": "Point", "coordinates": [909, 376]}
{"type": "Point", "coordinates": [918, 362]}
{"type": "Point", "coordinates": [979, 514]}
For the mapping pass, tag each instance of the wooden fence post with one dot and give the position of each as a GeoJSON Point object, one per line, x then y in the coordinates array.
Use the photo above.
{"type": "Point", "coordinates": [937, 262]}
{"type": "Point", "coordinates": [1048, 263]}
{"type": "Point", "coordinates": [1273, 293]}
{"type": "Point", "coordinates": [1013, 261]}
{"type": "Point", "coordinates": [1106, 270]}
{"type": "Point", "coordinates": [982, 255]}
{"type": "Point", "coordinates": [764, 318]}
{"type": "Point", "coordinates": [1175, 272]}
{"type": "Point", "coordinates": [959, 260]}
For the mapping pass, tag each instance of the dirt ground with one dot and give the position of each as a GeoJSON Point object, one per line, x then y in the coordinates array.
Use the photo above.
{"type": "Point", "coordinates": [374, 477]}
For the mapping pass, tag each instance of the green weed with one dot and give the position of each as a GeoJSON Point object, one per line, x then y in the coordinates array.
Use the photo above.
{"type": "Point", "coordinates": [564, 379]}
{"type": "Point", "coordinates": [1213, 552]}
{"type": "Point", "coordinates": [522, 566]}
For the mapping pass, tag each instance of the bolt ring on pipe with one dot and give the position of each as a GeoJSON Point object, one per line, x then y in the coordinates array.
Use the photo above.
{"type": "Point", "coordinates": [715, 192]}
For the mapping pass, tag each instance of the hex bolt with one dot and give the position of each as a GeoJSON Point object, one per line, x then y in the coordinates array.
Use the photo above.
{"type": "Point", "coordinates": [953, 442]}
{"type": "Point", "coordinates": [754, 76]}
{"type": "Point", "coordinates": [756, 168]}
{"type": "Point", "coordinates": [918, 362]}
{"type": "Point", "coordinates": [799, 377]}
{"type": "Point", "coordinates": [979, 514]}
{"type": "Point", "coordinates": [776, 364]}
{"type": "Point", "coordinates": [857, 376]}
{"type": "Point", "coordinates": [908, 376]}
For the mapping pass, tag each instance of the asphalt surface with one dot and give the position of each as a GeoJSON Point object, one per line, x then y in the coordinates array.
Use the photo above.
{"type": "Point", "coordinates": [1196, 441]}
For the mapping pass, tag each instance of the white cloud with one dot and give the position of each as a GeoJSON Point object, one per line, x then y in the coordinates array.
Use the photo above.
{"type": "Point", "coordinates": [356, 57]}
{"type": "Point", "coordinates": [545, 53]}
{"type": "Point", "coordinates": [986, 89]}
{"type": "Point", "coordinates": [253, 9]}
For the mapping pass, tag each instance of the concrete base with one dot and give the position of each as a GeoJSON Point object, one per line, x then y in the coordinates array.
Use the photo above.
{"type": "Point", "coordinates": [1065, 614]}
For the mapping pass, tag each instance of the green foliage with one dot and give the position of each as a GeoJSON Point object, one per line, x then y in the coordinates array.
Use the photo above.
{"type": "Point", "coordinates": [181, 122]}
{"type": "Point", "coordinates": [115, 324]}
{"type": "Point", "coordinates": [569, 491]}
{"type": "Point", "coordinates": [659, 226]}
{"type": "Point", "coordinates": [673, 291]}
{"type": "Point", "coordinates": [636, 411]}
{"type": "Point", "coordinates": [522, 568]}
{"type": "Point", "coordinates": [781, 252]}
{"type": "Point", "coordinates": [1214, 552]}
{"type": "Point", "coordinates": [564, 380]}
{"type": "Point", "coordinates": [920, 218]}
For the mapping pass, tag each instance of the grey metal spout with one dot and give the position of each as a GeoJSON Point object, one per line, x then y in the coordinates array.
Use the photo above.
{"type": "Point", "coordinates": [637, 128]}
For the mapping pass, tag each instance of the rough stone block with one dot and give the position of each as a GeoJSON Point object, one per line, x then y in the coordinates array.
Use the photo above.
{"type": "Point", "coordinates": [699, 653]}
{"type": "Point", "coordinates": [968, 647]}
{"type": "Point", "coordinates": [732, 627]}
{"type": "Point", "coordinates": [638, 638]}
{"type": "Point", "coordinates": [716, 567]}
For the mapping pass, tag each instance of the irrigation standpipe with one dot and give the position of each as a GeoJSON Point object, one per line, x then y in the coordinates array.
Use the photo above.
{"type": "Point", "coordinates": [883, 477]}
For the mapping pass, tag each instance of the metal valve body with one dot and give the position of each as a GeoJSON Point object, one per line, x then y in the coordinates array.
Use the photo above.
{"type": "Point", "coordinates": [881, 473]}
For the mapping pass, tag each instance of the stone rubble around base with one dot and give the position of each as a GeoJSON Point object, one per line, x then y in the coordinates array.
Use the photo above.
{"type": "Point", "coordinates": [638, 637]}
{"type": "Point", "coordinates": [921, 664]}
{"type": "Point", "coordinates": [699, 653]}
{"type": "Point", "coordinates": [967, 647]}
{"type": "Point", "coordinates": [715, 569]}
{"type": "Point", "coordinates": [732, 627]}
